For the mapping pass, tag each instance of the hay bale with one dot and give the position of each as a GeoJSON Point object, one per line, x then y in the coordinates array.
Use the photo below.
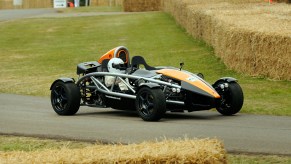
{"type": "Point", "coordinates": [105, 2]}
{"type": "Point", "coordinates": [286, 1]}
{"type": "Point", "coordinates": [252, 38]}
{"type": "Point", "coordinates": [141, 5]}
{"type": "Point", "coordinates": [6, 4]}
{"type": "Point", "coordinates": [37, 4]}
{"type": "Point", "coordinates": [257, 39]}
{"type": "Point", "coordinates": [167, 151]}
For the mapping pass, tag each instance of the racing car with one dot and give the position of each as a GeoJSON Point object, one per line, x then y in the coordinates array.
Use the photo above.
{"type": "Point", "coordinates": [118, 82]}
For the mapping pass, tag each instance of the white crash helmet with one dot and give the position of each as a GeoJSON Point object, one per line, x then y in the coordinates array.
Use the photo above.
{"type": "Point", "coordinates": [113, 65]}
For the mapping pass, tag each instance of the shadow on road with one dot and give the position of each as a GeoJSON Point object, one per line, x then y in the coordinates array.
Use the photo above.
{"type": "Point", "coordinates": [169, 116]}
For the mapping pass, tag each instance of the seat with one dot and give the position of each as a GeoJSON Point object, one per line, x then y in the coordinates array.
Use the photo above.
{"type": "Point", "coordinates": [136, 61]}
{"type": "Point", "coordinates": [123, 56]}
{"type": "Point", "coordinates": [118, 52]}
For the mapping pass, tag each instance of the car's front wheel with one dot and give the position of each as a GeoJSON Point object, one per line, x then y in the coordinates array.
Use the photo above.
{"type": "Point", "coordinates": [232, 99]}
{"type": "Point", "coordinates": [65, 98]}
{"type": "Point", "coordinates": [150, 104]}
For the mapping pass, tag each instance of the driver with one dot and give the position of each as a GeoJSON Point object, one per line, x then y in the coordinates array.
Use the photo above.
{"type": "Point", "coordinates": [116, 65]}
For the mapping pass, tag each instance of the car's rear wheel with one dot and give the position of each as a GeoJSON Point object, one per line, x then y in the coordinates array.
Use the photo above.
{"type": "Point", "coordinates": [65, 98]}
{"type": "Point", "coordinates": [231, 100]}
{"type": "Point", "coordinates": [150, 104]}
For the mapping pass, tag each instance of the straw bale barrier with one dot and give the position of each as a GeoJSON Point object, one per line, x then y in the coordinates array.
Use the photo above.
{"type": "Point", "coordinates": [8, 4]}
{"type": "Point", "coordinates": [106, 2]}
{"type": "Point", "coordinates": [141, 5]}
{"type": "Point", "coordinates": [37, 4]}
{"type": "Point", "coordinates": [252, 38]}
{"type": "Point", "coordinates": [286, 1]}
{"type": "Point", "coordinates": [167, 151]}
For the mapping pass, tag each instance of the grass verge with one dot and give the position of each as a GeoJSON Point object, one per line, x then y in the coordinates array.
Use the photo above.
{"type": "Point", "coordinates": [35, 52]}
{"type": "Point", "coordinates": [28, 144]}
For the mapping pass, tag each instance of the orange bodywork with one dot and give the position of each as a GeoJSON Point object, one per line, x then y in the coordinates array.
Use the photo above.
{"type": "Point", "coordinates": [183, 76]}
{"type": "Point", "coordinates": [107, 55]}
{"type": "Point", "coordinates": [110, 54]}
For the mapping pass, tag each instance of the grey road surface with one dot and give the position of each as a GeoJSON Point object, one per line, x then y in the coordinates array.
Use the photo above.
{"type": "Point", "coordinates": [8, 15]}
{"type": "Point", "coordinates": [29, 115]}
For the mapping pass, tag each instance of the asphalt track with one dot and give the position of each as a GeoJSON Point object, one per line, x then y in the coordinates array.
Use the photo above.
{"type": "Point", "coordinates": [10, 15]}
{"type": "Point", "coordinates": [33, 116]}
{"type": "Point", "coordinates": [6, 15]}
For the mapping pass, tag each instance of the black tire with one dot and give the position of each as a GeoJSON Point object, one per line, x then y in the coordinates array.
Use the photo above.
{"type": "Point", "coordinates": [65, 98]}
{"type": "Point", "coordinates": [150, 104]}
{"type": "Point", "coordinates": [232, 100]}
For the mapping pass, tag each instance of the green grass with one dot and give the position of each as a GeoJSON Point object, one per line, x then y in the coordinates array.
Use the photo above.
{"type": "Point", "coordinates": [13, 143]}
{"type": "Point", "coordinates": [35, 52]}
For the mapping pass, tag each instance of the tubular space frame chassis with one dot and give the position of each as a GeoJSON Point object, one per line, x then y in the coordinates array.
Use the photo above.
{"type": "Point", "coordinates": [100, 87]}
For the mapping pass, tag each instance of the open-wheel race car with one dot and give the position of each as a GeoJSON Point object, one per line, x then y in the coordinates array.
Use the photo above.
{"type": "Point", "coordinates": [120, 83]}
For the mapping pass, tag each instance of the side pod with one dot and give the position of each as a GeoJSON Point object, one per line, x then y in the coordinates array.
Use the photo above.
{"type": "Point", "coordinates": [63, 79]}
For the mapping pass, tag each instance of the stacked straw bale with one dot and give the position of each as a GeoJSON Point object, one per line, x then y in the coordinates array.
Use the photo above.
{"type": "Point", "coordinates": [141, 5]}
{"type": "Point", "coordinates": [252, 38]}
{"type": "Point", "coordinates": [167, 151]}
{"type": "Point", "coordinates": [6, 4]}
{"type": "Point", "coordinates": [37, 4]}
{"type": "Point", "coordinates": [286, 1]}
{"type": "Point", "coordinates": [106, 2]}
